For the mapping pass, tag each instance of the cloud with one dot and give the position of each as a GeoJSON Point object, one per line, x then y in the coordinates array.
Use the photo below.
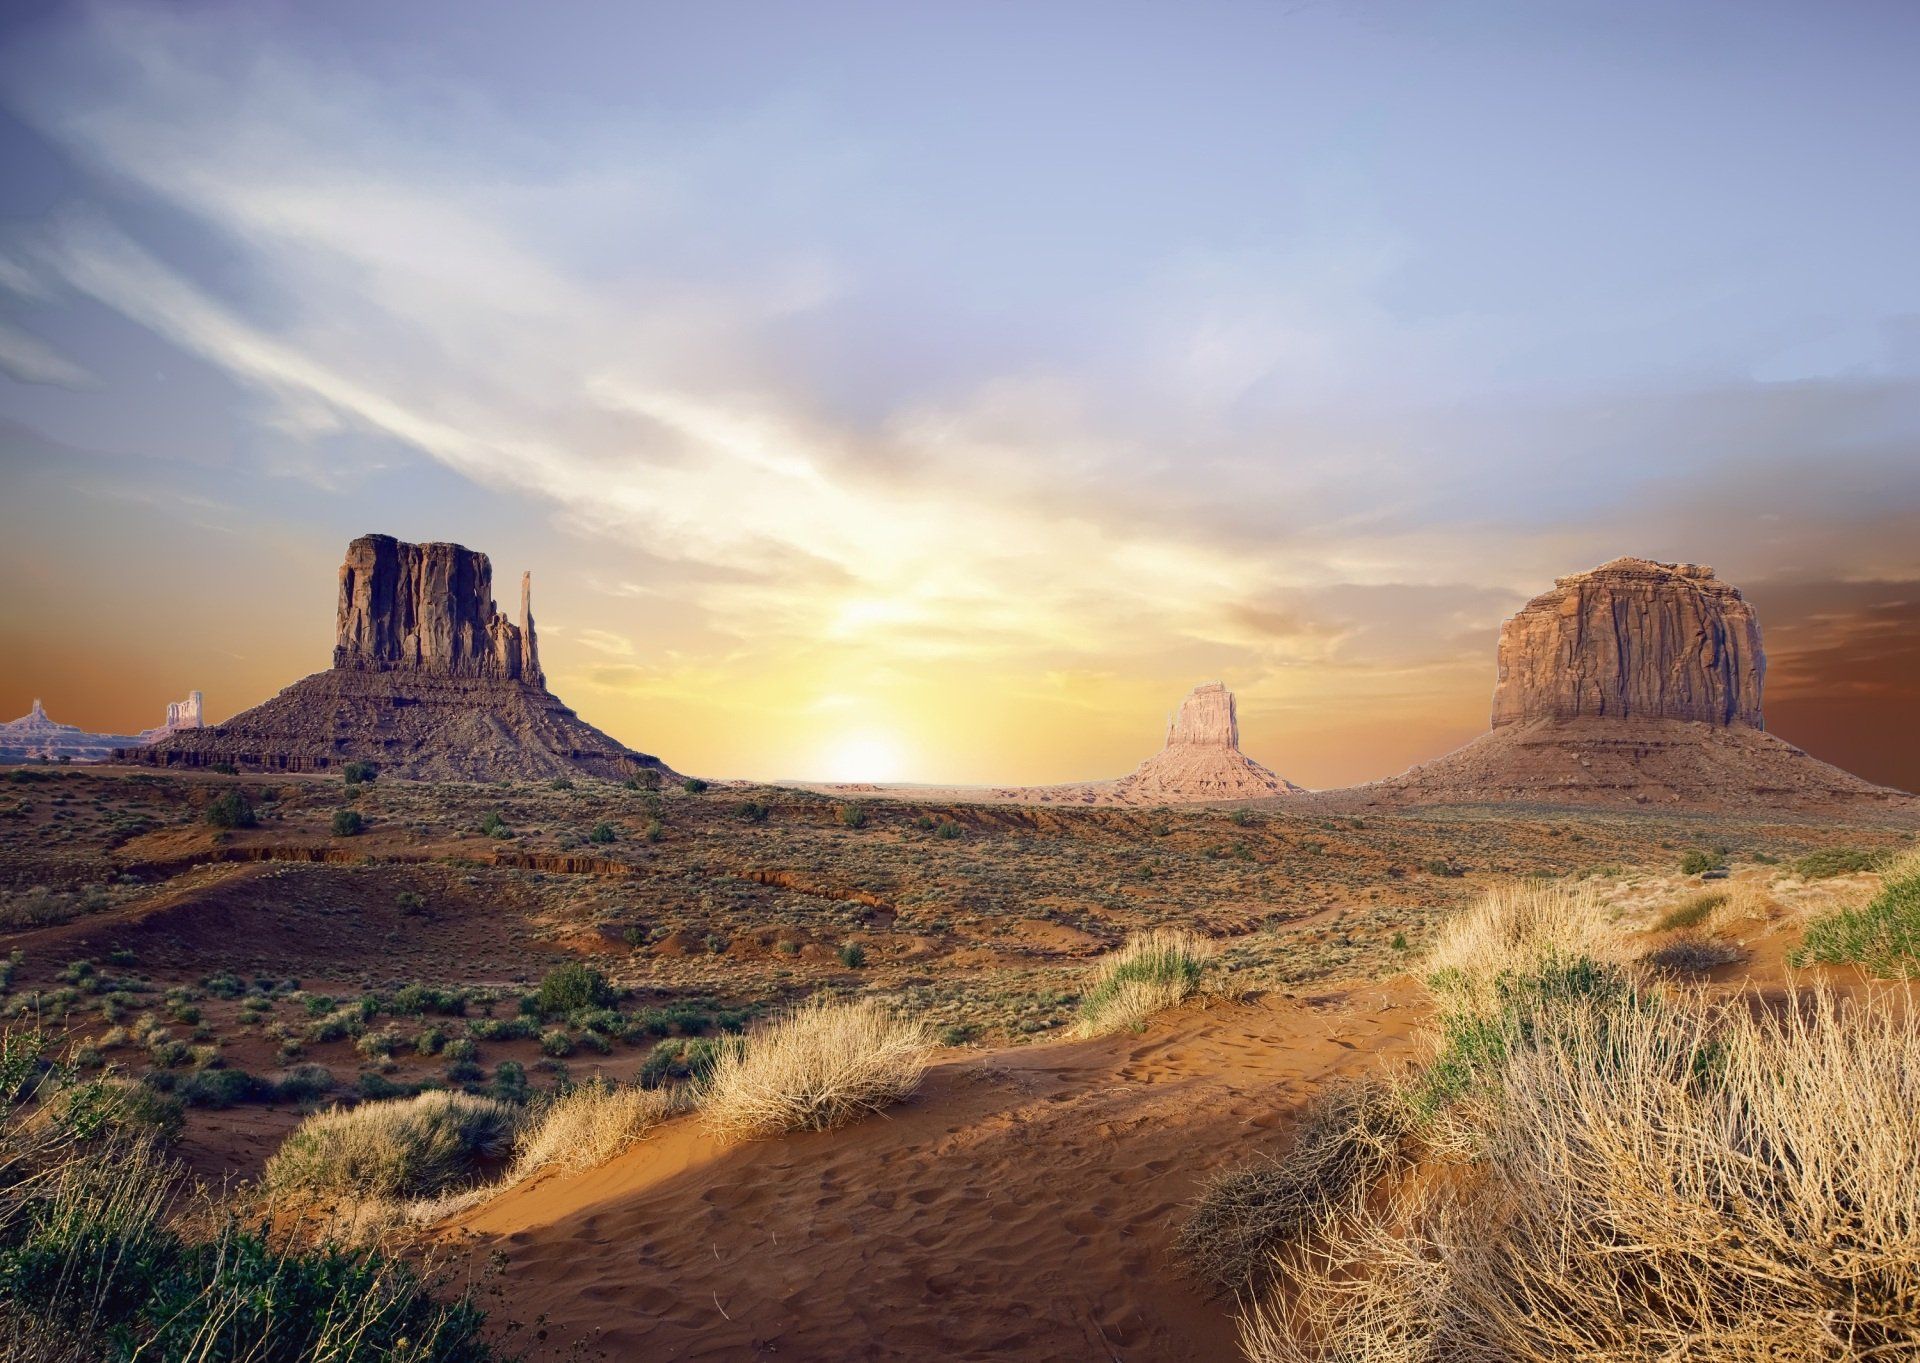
{"type": "Point", "coordinates": [1255, 463]}
{"type": "Point", "coordinates": [28, 359]}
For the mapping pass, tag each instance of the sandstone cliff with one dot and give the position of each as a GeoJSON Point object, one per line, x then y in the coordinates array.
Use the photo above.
{"type": "Point", "coordinates": [1633, 639]}
{"type": "Point", "coordinates": [429, 608]}
{"type": "Point", "coordinates": [429, 680]}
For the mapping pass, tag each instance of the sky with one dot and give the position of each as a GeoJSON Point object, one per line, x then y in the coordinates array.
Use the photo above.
{"type": "Point", "coordinates": [937, 392]}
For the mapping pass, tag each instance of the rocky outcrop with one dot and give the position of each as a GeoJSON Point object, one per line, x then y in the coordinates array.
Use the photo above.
{"type": "Point", "coordinates": [1633, 639]}
{"type": "Point", "coordinates": [1200, 762]}
{"type": "Point", "coordinates": [429, 681]}
{"type": "Point", "coordinates": [1636, 684]}
{"type": "Point", "coordinates": [429, 608]}
{"type": "Point", "coordinates": [181, 716]}
{"type": "Point", "coordinates": [36, 735]}
{"type": "Point", "coordinates": [1207, 718]}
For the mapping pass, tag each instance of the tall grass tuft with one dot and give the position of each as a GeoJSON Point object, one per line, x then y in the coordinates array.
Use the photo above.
{"type": "Point", "coordinates": [1701, 1182]}
{"type": "Point", "coordinates": [1152, 972]}
{"type": "Point", "coordinates": [406, 1147]}
{"type": "Point", "coordinates": [93, 1266]}
{"type": "Point", "coordinates": [589, 1125]}
{"type": "Point", "coordinates": [818, 1067]}
{"type": "Point", "coordinates": [1882, 935]}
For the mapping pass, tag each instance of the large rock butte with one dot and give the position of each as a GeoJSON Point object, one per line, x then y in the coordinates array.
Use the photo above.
{"type": "Point", "coordinates": [429, 680]}
{"type": "Point", "coordinates": [1638, 683]}
{"type": "Point", "coordinates": [1633, 639]}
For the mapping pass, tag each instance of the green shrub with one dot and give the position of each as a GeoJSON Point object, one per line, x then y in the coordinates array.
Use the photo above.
{"type": "Point", "coordinates": [90, 1269]}
{"type": "Point", "coordinates": [853, 815]}
{"type": "Point", "coordinates": [556, 1043]}
{"type": "Point", "coordinates": [560, 783]}
{"type": "Point", "coordinates": [493, 826]}
{"type": "Point", "coordinates": [853, 955]}
{"type": "Point", "coordinates": [571, 987]}
{"type": "Point", "coordinates": [231, 809]}
{"type": "Point", "coordinates": [1528, 1009]}
{"type": "Point", "coordinates": [602, 833]}
{"type": "Point", "coordinates": [510, 1081]}
{"type": "Point", "coordinates": [1882, 935]}
{"type": "Point", "coordinates": [1152, 971]}
{"type": "Point", "coordinates": [356, 772]}
{"type": "Point", "coordinates": [347, 823]}
{"type": "Point", "coordinates": [752, 811]}
{"type": "Point", "coordinates": [948, 830]}
{"type": "Point", "coordinates": [693, 785]}
{"type": "Point", "coordinates": [111, 1108]}
{"type": "Point", "coordinates": [1699, 863]}
{"type": "Point", "coordinates": [678, 1060]}
{"type": "Point", "coordinates": [655, 831]}
{"type": "Point", "coordinates": [1829, 862]}
{"type": "Point", "coordinates": [220, 1088]}
{"type": "Point", "coordinates": [303, 1083]}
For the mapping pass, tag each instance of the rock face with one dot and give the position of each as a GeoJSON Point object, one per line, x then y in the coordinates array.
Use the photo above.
{"type": "Point", "coordinates": [1207, 718]}
{"type": "Point", "coordinates": [1200, 762]}
{"type": "Point", "coordinates": [1633, 639]}
{"type": "Point", "coordinates": [429, 681]}
{"type": "Point", "coordinates": [37, 735]}
{"type": "Point", "coordinates": [181, 715]}
{"type": "Point", "coordinates": [429, 608]}
{"type": "Point", "coordinates": [1636, 684]}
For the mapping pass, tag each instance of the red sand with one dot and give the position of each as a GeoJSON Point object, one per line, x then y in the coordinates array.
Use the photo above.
{"type": "Point", "coordinates": [1022, 1206]}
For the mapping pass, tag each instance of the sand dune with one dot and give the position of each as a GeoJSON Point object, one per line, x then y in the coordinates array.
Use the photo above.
{"type": "Point", "coordinates": [1021, 1207]}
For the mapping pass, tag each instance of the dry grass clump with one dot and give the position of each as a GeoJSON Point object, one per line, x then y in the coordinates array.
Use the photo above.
{"type": "Point", "coordinates": [1692, 955]}
{"type": "Point", "coordinates": [1514, 932]}
{"type": "Point", "coordinates": [1350, 1136]}
{"type": "Point", "coordinates": [1692, 911]}
{"type": "Point", "coordinates": [409, 1147]}
{"type": "Point", "coordinates": [1692, 1182]}
{"type": "Point", "coordinates": [1152, 972]}
{"type": "Point", "coordinates": [589, 1125]}
{"type": "Point", "coordinates": [814, 1069]}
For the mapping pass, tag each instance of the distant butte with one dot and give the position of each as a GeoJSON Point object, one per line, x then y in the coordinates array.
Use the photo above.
{"type": "Point", "coordinates": [1638, 683]}
{"type": "Point", "coordinates": [429, 681]}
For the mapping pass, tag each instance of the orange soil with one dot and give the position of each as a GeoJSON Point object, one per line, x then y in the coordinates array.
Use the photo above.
{"type": "Point", "coordinates": [1022, 1206]}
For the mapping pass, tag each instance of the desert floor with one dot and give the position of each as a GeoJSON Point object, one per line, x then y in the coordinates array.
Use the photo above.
{"type": "Point", "coordinates": [1021, 1205]}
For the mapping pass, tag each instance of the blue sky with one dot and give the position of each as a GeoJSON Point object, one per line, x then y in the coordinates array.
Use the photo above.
{"type": "Point", "coordinates": [945, 388]}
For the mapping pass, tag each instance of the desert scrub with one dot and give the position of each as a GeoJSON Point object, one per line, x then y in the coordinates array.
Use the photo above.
{"type": "Point", "coordinates": [1882, 935]}
{"type": "Point", "coordinates": [1829, 862]}
{"type": "Point", "coordinates": [680, 1058]}
{"type": "Point", "coordinates": [347, 823]}
{"type": "Point", "coordinates": [589, 1125]}
{"type": "Point", "coordinates": [1155, 970]}
{"type": "Point", "coordinates": [92, 1264]}
{"type": "Point", "coordinates": [231, 809]}
{"type": "Point", "coordinates": [816, 1068]}
{"type": "Point", "coordinates": [409, 1147]}
{"type": "Point", "coordinates": [1703, 1181]}
{"type": "Point", "coordinates": [1350, 1135]}
{"type": "Point", "coordinates": [1691, 912]}
{"type": "Point", "coordinates": [570, 987]}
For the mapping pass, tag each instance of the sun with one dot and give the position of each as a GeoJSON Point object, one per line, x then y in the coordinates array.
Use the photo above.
{"type": "Point", "coordinates": [865, 756]}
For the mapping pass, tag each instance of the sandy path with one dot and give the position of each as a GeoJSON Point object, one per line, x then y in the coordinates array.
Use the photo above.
{"type": "Point", "coordinates": [1021, 1207]}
